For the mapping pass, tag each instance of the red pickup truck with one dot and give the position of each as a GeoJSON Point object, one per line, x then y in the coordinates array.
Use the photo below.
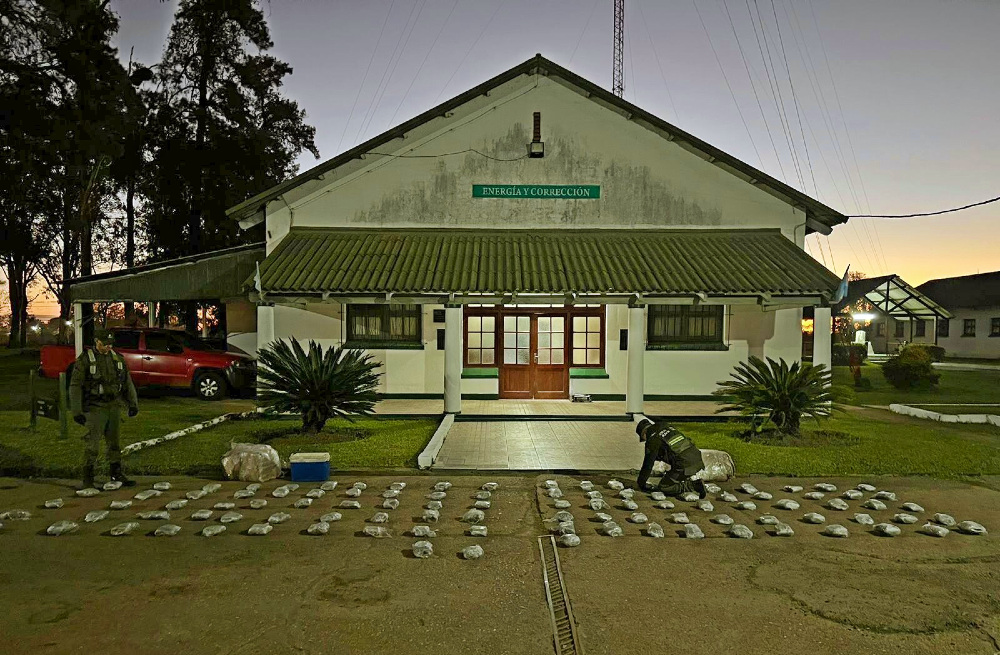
{"type": "Point", "coordinates": [167, 358]}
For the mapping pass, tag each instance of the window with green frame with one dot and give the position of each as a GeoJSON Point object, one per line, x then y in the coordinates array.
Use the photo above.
{"type": "Point", "coordinates": [679, 325]}
{"type": "Point", "coordinates": [390, 325]}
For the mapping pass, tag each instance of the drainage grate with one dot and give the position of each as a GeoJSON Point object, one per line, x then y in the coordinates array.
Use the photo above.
{"type": "Point", "coordinates": [564, 636]}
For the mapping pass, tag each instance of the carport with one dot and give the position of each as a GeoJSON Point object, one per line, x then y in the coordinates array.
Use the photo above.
{"type": "Point", "coordinates": [215, 276]}
{"type": "Point", "coordinates": [892, 297]}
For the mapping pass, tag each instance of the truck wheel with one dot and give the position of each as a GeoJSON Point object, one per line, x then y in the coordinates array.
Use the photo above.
{"type": "Point", "coordinates": [210, 385]}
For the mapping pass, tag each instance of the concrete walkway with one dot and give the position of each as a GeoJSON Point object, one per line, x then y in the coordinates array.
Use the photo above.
{"type": "Point", "coordinates": [614, 408]}
{"type": "Point", "coordinates": [533, 445]}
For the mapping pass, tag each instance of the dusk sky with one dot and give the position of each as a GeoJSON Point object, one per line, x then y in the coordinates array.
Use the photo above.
{"type": "Point", "coordinates": [898, 98]}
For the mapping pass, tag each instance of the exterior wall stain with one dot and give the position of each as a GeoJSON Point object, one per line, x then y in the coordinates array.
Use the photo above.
{"type": "Point", "coordinates": [630, 194]}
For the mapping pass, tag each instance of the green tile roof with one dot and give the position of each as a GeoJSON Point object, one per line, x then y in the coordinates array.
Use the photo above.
{"type": "Point", "coordinates": [439, 261]}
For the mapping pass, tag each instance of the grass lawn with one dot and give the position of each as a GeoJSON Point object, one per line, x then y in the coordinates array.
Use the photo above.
{"type": "Point", "coordinates": [43, 453]}
{"type": "Point", "coordinates": [953, 387]}
{"type": "Point", "coordinates": [383, 443]}
{"type": "Point", "coordinates": [873, 442]}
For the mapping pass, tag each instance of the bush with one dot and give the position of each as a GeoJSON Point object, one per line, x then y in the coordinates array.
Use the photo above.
{"type": "Point", "coordinates": [910, 369]}
{"type": "Point", "coordinates": [317, 385]}
{"type": "Point", "coordinates": [778, 393]}
{"type": "Point", "coordinates": [841, 353]}
{"type": "Point", "coordinates": [936, 353]}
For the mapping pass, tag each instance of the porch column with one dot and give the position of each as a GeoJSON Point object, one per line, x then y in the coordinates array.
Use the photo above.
{"type": "Point", "coordinates": [822, 338]}
{"type": "Point", "coordinates": [78, 327]}
{"type": "Point", "coordinates": [636, 356]}
{"type": "Point", "coordinates": [453, 359]}
{"type": "Point", "coordinates": [150, 314]}
{"type": "Point", "coordinates": [265, 326]}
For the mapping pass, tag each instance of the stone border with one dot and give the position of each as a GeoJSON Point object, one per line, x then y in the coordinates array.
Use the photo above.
{"type": "Point", "coordinates": [916, 412]}
{"type": "Point", "coordinates": [197, 427]}
{"type": "Point", "coordinates": [426, 458]}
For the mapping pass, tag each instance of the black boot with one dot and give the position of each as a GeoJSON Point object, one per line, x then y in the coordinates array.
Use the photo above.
{"type": "Point", "coordinates": [699, 486]}
{"type": "Point", "coordinates": [118, 476]}
{"type": "Point", "coordinates": [88, 476]}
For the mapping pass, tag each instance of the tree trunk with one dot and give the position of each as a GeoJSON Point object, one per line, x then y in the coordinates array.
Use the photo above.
{"type": "Point", "coordinates": [129, 237]}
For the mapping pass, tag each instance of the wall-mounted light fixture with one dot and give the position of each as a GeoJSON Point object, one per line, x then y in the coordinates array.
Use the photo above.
{"type": "Point", "coordinates": [536, 148]}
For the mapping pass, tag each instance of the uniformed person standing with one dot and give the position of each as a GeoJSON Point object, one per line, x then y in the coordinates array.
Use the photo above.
{"type": "Point", "coordinates": [100, 385]}
{"type": "Point", "coordinates": [664, 443]}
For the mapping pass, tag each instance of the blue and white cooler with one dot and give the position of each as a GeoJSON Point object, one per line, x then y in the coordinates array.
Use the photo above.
{"type": "Point", "coordinates": [310, 467]}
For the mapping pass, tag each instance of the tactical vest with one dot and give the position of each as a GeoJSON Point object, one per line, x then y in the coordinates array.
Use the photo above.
{"type": "Point", "coordinates": [88, 388]}
{"type": "Point", "coordinates": [682, 453]}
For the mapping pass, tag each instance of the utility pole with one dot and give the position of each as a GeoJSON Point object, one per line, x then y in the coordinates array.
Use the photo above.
{"type": "Point", "coordinates": [618, 69]}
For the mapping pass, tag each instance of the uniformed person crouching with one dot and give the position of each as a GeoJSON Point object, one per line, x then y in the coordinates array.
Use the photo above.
{"type": "Point", "coordinates": [665, 443]}
{"type": "Point", "coordinates": [100, 385]}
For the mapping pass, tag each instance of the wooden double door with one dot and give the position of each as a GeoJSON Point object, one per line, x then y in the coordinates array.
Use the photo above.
{"type": "Point", "coordinates": [534, 354]}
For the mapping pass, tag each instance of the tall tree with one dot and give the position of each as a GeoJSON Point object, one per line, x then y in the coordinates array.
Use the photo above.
{"type": "Point", "coordinates": [63, 85]}
{"type": "Point", "coordinates": [225, 130]}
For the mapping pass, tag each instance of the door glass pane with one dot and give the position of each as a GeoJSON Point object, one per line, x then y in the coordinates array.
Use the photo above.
{"type": "Point", "coordinates": [523, 340]}
{"type": "Point", "coordinates": [523, 323]}
{"type": "Point", "coordinates": [557, 324]}
{"type": "Point", "coordinates": [508, 356]}
{"type": "Point", "coordinates": [522, 355]}
{"type": "Point", "coordinates": [543, 323]}
{"type": "Point", "coordinates": [543, 355]}
{"type": "Point", "coordinates": [558, 340]}
{"type": "Point", "coordinates": [557, 357]}
{"type": "Point", "coordinates": [509, 340]}
{"type": "Point", "coordinates": [509, 323]}
{"type": "Point", "coordinates": [543, 339]}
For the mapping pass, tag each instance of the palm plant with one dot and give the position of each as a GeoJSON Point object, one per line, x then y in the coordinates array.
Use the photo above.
{"type": "Point", "coordinates": [779, 393]}
{"type": "Point", "coordinates": [319, 384]}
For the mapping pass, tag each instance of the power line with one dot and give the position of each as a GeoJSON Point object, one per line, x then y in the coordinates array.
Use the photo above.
{"type": "Point", "coordinates": [656, 55]}
{"type": "Point", "coordinates": [729, 86]}
{"type": "Point", "coordinates": [753, 86]}
{"type": "Point", "coordinates": [586, 25]}
{"type": "Point", "coordinates": [935, 213]}
{"type": "Point", "coordinates": [428, 54]}
{"type": "Point", "coordinates": [365, 78]}
{"type": "Point", "coordinates": [471, 48]}
{"type": "Point", "coordinates": [448, 154]}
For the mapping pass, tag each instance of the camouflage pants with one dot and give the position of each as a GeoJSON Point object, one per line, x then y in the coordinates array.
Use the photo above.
{"type": "Point", "coordinates": [103, 422]}
{"type": "Point", "coordinates": [675, 483]}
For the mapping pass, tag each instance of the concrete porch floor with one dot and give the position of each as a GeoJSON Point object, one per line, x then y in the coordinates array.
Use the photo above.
{"type": "Point", "coordinates": [614, 408]}
{"type": "Point", "coordinates": [528, 445]}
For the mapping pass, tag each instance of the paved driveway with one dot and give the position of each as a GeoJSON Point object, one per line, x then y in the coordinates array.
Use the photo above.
{"type": "Point", "coordinates": [532, 445]}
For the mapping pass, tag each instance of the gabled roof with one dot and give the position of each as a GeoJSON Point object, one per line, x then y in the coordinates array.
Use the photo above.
{"type": "Point", "coordinates": [691, 263]}
{"type": "Point", "coordinates": [819, 217]}
{"type": "Point", "coordinates": [893, 296]}
{"type": "Point", "coordinates": [980, 290]}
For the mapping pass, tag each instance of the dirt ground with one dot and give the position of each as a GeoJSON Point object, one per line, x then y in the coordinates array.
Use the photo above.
{"type": "Point", "coordinates": [289, 592]}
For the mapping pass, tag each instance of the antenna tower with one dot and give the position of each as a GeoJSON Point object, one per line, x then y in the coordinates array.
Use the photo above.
{"type": "Point", "coordinates": [618, 71]}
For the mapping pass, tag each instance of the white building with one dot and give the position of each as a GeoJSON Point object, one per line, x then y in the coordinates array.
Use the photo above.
{"type": "Point", "coordinates": [538, 236]}
{"type": "Point", "coordinates": [975, 302]}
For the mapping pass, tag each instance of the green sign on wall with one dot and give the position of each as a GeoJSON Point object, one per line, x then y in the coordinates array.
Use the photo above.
{"type": "Point", "coordinates": [557, 191]}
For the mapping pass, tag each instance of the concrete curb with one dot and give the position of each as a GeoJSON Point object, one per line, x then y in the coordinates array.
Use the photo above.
{"type": "Point", "coordinates": [426, 458]}
{"type": "Point", "coordinates": [917, 412]}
